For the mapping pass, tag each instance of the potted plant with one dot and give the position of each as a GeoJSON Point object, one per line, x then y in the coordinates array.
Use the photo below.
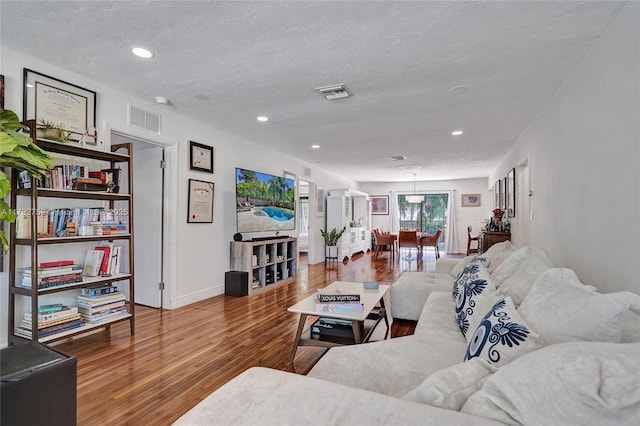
{"type": "Point", "coordinates": [47, 129]}
{"type": "Point", "coordinates": [331, 242]}
{"type": "Point", "coordinates": [17, 151]}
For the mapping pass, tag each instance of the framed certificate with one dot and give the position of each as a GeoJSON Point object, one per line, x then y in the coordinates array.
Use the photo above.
{"type": "Point", "coordinates": [200, 208]}
{"type": "Point", "coordinates": [53, 102]}
{"type": "Point", "coordinates": [200, 157]}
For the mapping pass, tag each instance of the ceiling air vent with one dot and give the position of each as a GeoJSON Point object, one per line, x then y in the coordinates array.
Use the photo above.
{"type": "Point", "coordinates": [144, 119]}
{"type": "Point", "coordinates": [397, 158]}
{"type": "Point", "coordinates": [335, 91]}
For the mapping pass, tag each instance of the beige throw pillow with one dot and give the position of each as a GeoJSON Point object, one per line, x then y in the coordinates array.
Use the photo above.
{"type": "Point", "coordinates": [519, 284]}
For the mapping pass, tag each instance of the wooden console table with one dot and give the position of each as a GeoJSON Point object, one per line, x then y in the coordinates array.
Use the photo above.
{"type": "Point", "coordinates": [487, 239]}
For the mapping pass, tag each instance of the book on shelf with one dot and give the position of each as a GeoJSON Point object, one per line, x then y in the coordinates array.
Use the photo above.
{"type": "Point", "coordinates": [332, 328]}
{"type": "Point", "coordinates": [56, 263]}
{"type": "Point", "coordinates": [94, 301]}
{"type": "Point", "coordinates": [98, 290]}
{"type": "Point", "coordinates": [86, 310]}
{"type": "Point", "coordinates": [54, 307]}
{"type": "Point", "coordinates": [340, 307]}
{"type": "Point", "coordinates": [109, 316]}
{"type": "Point", "coordinates": [105, 266]}
{"type": "Point", "coordinates": [337, 297]}
{"type": "Point", "coordinates": [65, 312]}
{"type": "Point", "coordinates": [25, 332]}
{"type": "Point", "coordinates": [92, 263]}
{"type": "Point", "coordinates": [53, 322]}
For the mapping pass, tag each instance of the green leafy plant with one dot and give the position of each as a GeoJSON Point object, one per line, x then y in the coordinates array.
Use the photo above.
{"type": "Point", "coordinates": [17, 151]}
{"type": "Point", "coordinates": [49, 130]}
{"type": "Point", "coordinates": [331, 238]}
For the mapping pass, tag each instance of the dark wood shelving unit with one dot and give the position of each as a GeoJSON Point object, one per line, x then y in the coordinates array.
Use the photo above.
{"type": "Point", "coordinates": [16, 290]}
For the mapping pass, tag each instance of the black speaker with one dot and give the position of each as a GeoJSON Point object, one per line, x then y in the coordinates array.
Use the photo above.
{"type": "Point", "coordinates": [237, 236]}
{"type": "Point", "coordinates": [236, 283]}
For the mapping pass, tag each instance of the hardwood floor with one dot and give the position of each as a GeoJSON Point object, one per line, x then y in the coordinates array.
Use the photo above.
{"type": "Point", "coordinates": [180, 356]}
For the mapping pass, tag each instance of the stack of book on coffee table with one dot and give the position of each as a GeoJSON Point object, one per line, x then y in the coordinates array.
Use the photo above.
{"type": "Point", "coordinates": [335, 302]}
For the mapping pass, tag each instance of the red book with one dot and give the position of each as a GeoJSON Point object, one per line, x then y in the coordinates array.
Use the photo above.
{"type": "Point", "coordinates": [56, 263]}
{"type": "Point", "coordinates": [104, 267]}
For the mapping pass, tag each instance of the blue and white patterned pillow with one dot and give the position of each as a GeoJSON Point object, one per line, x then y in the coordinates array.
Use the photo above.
{"type": "Point", "coordinates": [502, 335]}
{"type": "Point", "coordinates": [475, 294]}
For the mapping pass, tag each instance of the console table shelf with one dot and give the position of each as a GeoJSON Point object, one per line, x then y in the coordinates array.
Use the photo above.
{"type": "Point", "coordinates": [268, 262]}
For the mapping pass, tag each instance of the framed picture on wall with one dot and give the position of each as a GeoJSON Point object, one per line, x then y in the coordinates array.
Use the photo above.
{"type": "Point", "coordinates": [511, 193]}
{"type": "Point", "coordinates": [496, 193]}
{"type": "Point", "coordinates": [200, 204]}
{"type": "Point", "coordinates": [503, 194]}
{"type": "Point", "coordinates": [470, 200]}
{"type": "Point", "coordinates": [67, 110]}
{"type": "Point", "coordinates": [379, 204]}
{"type": "Point", "coordinates": [319, 201]}
{"type": "Point", "coordinates": [200, 157]}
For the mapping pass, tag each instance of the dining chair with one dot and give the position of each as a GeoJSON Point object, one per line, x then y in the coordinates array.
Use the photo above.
{"type": "Point", "coordinates": [470, 239]}
{"type": "Point", "coordinates": [431, 241]}
{"type": "Point", "coordinates": [409, 239]}
{"type": "Point", "coordinates": [384, 241]}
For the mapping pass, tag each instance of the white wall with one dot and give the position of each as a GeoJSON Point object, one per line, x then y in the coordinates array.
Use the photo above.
{"type": "Point", "coordinates": [584, 162]}
{"type": "Point", "coordinates": [198, 254]}
{"type": "Point", "coordinates": [464, 215]}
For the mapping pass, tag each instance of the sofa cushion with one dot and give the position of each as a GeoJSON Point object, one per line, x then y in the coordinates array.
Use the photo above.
{"type": "Point", "coordinates": [410, 292]}
{"type": "Point", "coordinates": [519, 284]}
{"type": "Point", "coordinates": [438, 319]}
{"type": "Point", "coordinates": [510, 265]}
{"type": "Point", "coordinates": [562, 309]}
{"type": "Point", "coordinates": [392, 367]}
{"type": "Point", "coordinates": [501, 256]}
{"type": "Point", "coordinates": [565, 384]}
{"type": "Point", "coordinates": [502, 335]}
{"type": "Point", "coordinates": [473, 300]}
{"type": "Point", "coordinates": [450, 387]}
{"type": "Point", "coordinates": [262, 396]}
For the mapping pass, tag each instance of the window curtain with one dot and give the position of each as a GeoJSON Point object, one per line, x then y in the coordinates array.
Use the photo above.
{"type": "Point", "coordinates": [451, 236]}
{"type": "Point", "coordinates": [394, 213]}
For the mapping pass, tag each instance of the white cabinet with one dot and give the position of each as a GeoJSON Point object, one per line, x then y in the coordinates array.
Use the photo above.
{"type": "Point", "coordinates": [352, 210]}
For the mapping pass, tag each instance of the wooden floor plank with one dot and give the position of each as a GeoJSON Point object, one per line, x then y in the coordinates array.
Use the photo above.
{"type": "Point", "coordinates": [180, 356]}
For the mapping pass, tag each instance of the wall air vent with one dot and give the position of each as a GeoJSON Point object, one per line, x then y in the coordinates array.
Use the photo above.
{"type": "Point", "coordinates": [307, 171]}
{"type": "Point", "coordinates": [143, 119]}
{"type": "Point", "coordinates": [335, 91]}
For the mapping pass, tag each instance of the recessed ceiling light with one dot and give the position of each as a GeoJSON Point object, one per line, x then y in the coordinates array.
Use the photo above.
{"type": "Point", "coordinates": [457, 132]}
{"type": "Point", "coordinates": [459, 90]}
{"type": "Point", "coordinates": [262, 118]}
{"type": "Point", "coordinates": [141, 52]}
{"type": "Point", "coordinates": [315, 146]}
{"type": "Point", "coordinates": [162, 100]}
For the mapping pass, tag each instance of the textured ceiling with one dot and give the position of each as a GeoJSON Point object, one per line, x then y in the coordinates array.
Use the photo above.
{"type": "Point", "coordinates": [224, 63]}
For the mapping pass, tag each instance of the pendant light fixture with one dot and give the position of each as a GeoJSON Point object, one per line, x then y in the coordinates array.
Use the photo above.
{"type": "Point", "coordinates": [415, 198]}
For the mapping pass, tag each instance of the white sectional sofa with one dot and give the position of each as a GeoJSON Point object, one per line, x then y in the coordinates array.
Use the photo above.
{"type": "Point", "coordinates": [541, 348]}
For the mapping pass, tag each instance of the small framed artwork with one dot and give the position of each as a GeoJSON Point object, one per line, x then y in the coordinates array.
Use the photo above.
{"type": "Point", "coordinates": [503, 194]}
{"type": "Point", "coordinates": [319, 201]}
{"type": "Point", "coordinates": [496, 193]}
{"type": "Point", "coordinates": [379, 204]}
{"type": "Point", "coordinates": [68, 109]}
{"type": "Point", "coordinates": [470, 200]}
{"type": "Point", "coordinates": [200, 203]}
{"type": "Point", "coordinates": [511, 193]}
{"type": "Point", "coordinates": [200, 157]}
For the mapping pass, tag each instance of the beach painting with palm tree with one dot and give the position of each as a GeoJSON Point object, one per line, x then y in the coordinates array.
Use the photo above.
{"type": "Point", "coordinates": [264, 202]}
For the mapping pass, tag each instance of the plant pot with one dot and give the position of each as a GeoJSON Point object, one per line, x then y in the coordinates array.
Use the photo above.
{"type": "Point", "coordinates": [331, 252]}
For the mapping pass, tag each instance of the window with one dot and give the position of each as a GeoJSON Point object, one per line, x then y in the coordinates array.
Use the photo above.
{"type": "Point", "coordinates": [427, 217]}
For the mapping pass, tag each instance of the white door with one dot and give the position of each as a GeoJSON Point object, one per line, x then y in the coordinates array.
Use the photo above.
{"type": "Point", "coordinates": [147, 220]}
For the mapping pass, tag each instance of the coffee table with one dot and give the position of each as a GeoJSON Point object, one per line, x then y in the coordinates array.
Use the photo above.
{"type": "Point", "coordinates": [371, 299]}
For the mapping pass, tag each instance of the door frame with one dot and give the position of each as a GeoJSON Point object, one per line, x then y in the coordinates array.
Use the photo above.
{"type": "Point", "coordinates": [169, 269]}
